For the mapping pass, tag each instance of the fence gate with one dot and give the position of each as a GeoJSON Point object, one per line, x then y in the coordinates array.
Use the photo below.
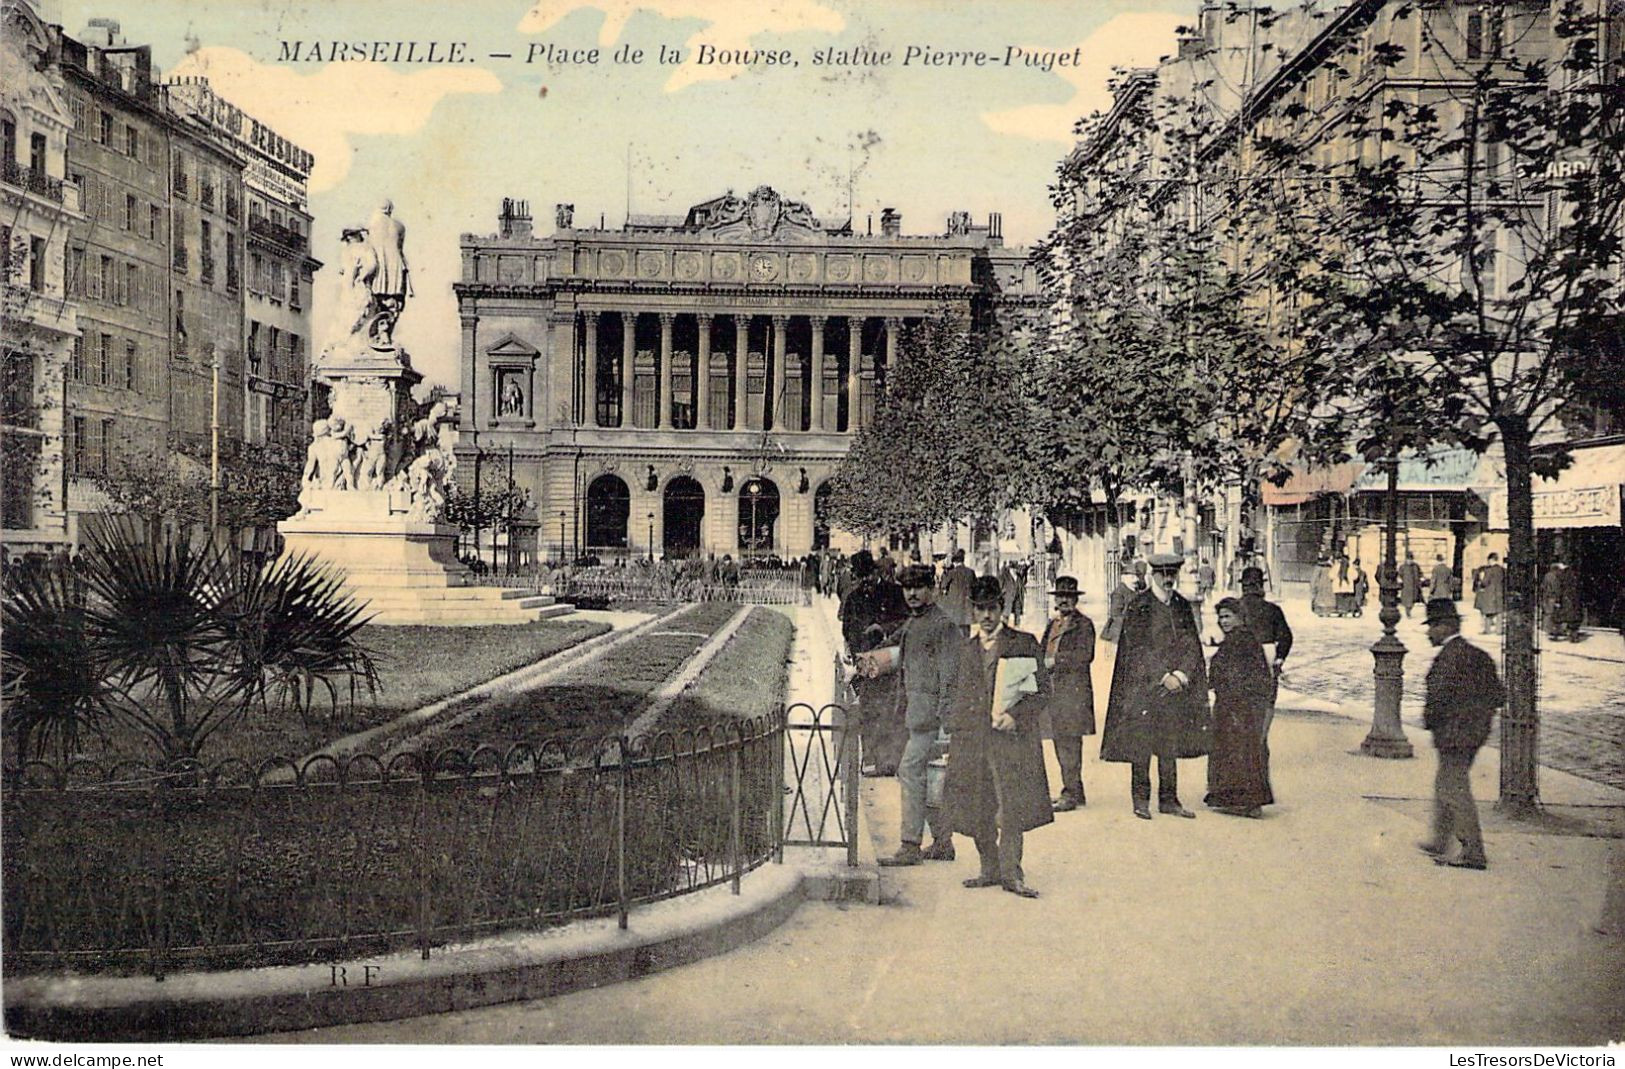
{"type": "Point", "coordinates": [821, 777]}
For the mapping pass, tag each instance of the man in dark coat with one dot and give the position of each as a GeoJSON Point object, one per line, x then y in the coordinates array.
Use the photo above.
{"type": "Point", "coordinates": [1491, 597]}
{"type": "Point", "coordinates": [1069, 654]}
{"type": "Point", "coordinates": [1560, 602]}
{"type": "Point", "coordinates": [955, 600]}
{"type": "Point", "coordinates": [997, 788]}
{"type": "Point", "coordinates": [1410, 583]}
{"type": "Point", "coordinates": [927, 657]}
{"type": "Point", "coordinates": [1267, 623]}
{"type": "Point", "coordinates": [1128, 585]}
{"type": "Point", "coordinates": [1463, 692]}
{"type": "Point", "coordinates": [1158, 702]}
{"type": "Point", "coordinates": [870, 612]}
{"type": "Point", "coordinates": [1442, 583]}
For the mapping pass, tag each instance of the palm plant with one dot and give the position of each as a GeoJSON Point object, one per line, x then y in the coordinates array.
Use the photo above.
{"type": "Point", "coordinates": [53, 687]}
{"type": "Point", "coordinates": [164, 638]}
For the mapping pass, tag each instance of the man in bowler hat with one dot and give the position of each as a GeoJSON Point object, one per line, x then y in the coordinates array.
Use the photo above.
{"type": "Point", "coordinates": [1158, 706]}
{"type": "Point", "coordinates": [997, 789]}
{"type": "Point", "coordinates": [1463, 692]}
{"type": "Point", "coordinates": [1069, 654]}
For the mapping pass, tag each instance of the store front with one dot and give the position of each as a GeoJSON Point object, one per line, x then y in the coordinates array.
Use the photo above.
{"type": "Point", "coordinates": [1578, 519]}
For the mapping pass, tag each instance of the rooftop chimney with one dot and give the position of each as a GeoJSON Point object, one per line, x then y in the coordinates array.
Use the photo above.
{"type": "Point", "coordinates": [515, 218]}
{"type": "Point", "coordinates": [995, 226]}
{"type": "Point", "coordinates": [891, 222]}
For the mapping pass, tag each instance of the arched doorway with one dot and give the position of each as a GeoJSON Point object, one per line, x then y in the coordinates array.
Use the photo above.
{"type": "Point", "coordinates": [758, 515]}
{"type": "Point", "coordinates": [609, 503]}
{"type": "Point", "coordinates": [684, 509]}
{"type": "Point", "coordinates": [821, 516]}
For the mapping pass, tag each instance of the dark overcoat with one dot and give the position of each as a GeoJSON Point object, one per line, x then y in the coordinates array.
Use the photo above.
{"type": "Point", "coordinates": [1463, 692]}
{"type": "Point", "coordinates": [1243, 691]}
{"type": "Point", "coordinates": [1492, 590]}
{"type": "Point", "coordinates": [1116, 604]}
{"type": "Point", "coordinates": [1070, 639]}
{"type": "Point", "coordinates": [1410, 583]}
{"type": "Point", "coordinates": [1142, 718]}
{"type": "Point", "coordinates": [978, 754]}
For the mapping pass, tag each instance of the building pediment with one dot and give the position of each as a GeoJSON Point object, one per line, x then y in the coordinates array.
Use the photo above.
{"type": "Point", "coordinates": [764, 215]}
{"type": "Point", "coordinates": [512, 347]}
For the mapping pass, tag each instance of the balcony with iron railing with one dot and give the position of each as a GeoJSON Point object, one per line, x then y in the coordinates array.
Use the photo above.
{"type": "Point", "coordinates": [261, 227]}
{"type": "Point", "coordinates": [37, 182]}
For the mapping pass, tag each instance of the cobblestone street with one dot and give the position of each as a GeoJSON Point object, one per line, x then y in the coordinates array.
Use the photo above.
{"type": "Point", "coordinates": [1582, 686]}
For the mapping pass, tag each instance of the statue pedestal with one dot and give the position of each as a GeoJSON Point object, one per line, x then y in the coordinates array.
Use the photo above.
{"type": "Point", "coordinates": [386, 542]}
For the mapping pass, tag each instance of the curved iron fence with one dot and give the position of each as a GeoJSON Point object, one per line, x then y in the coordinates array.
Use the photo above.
{"type": "Point", "coordinates": [125, 867]}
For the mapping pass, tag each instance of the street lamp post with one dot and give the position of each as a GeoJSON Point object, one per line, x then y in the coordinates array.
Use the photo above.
{"type": "Point", "coordinates": [754, 491]}
{"type": "Point", "coordinates": [561, 536]}
{"type": "Point", "coordinates": [651, 537]}
{"type": "Point", "coordinates": [1387, 736]}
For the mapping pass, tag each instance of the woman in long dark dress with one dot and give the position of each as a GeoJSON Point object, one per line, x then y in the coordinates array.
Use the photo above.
{"type": "Point", "coordinates": [1237, 769]}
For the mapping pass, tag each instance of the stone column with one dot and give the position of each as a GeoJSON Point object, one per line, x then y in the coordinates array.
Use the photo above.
{"type": "Point", "coordinates": [665, 370]}
{"type": "Point", "coordinates": [629, 341]}
{"type": "Point", "coordinates": [590, 327]}
{"type": "Point", "coordinates": [702, 380]}
{"type": "Point", "coordinates": [854, 361]}
{"type": "Point", "coordinates": [741, 358]}
{"type": "Point", "coordinates": [471, 361]}
{"type": "Point", "coordinates": [816, 394]}
{"type": "Point", "coordinates": [775, 389]}
{"type": "Point", "coordinates": [893, 326]}
{"type": "Point", "coordinates": [560, 371]}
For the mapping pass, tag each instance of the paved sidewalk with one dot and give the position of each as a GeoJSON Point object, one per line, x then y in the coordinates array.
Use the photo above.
{"type": "Point", "coordinates": [1320, 924]}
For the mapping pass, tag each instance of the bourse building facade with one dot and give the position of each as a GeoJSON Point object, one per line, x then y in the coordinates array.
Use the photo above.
{"type": "Point", "coordinates": [689, 384]}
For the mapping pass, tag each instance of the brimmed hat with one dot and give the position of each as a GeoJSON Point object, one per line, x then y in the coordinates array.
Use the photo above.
{"type": "Point", "coordinates": [1252, 574]}
{"type": "Point", "coordinates": [1065, 587]}
{"type": "Point", "coordinates": [1442, 611]}
{"type": "Point", "coordinates": [1164, 562]}
{"type": "Point", "coordinates": [985, 590]}
{"type": "Point", "coordinates": [915, 576]}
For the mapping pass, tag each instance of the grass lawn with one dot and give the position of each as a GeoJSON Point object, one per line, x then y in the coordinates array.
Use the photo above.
{"type": "Point", "coordinates": [597, 698]}
{"type": "Point", "coordinates": [417, 665]}
{"type": "Point", "coordinates": [747, 679]}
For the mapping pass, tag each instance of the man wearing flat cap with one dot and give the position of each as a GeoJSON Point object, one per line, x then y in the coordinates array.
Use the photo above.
{"type": "Point", "coordinates": [1069, 654]}
{"type": "Point", "coordinates": [927, 653]}
{"type": "Point", "coordinates": [1158, 705]}
{"type": "Point", "coordinates": [1463, 692]}
{"type": "Point", "coordinates": [997, 788]}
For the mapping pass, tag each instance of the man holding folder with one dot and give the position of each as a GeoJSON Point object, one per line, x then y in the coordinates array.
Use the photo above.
{"type": "Point", "coordinates": [997, 788]}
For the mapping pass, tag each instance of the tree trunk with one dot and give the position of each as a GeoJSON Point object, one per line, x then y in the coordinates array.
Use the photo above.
{"type": "Point", "coordinates": [1520, 722]}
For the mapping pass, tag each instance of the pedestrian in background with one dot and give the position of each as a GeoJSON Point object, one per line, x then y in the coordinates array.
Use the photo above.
{"type": "Point", "coordinates": [997, 789]}
{"type": "Point", "coordinates": [1069, 654]}
{"type": "Point", "coordinates": [1560, 602]}
{"type": "Point", "coordinates": [871, 612]}
{"type": "Point", "coordinates": [1243, 699]}
{"type": "Point", "coordinates": [1490, 594]}
{"type": "Point", "coordinates": [1128, 585]}
{"type": "Point", "coordinates": [955, 589]}
{"type": "Point", "coordinates": [1463, 693]}
{"type": "Point", "coordinates": [1410, 582]}
{"type": "Point", "coordinates": [1442, 583]}
{"type": "Point", "coordinates": [1362, 588]}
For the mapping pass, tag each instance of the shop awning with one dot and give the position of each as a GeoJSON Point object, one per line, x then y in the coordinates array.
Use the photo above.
{"type": "Point", "coordinates": [1439, 469]}
{"type": "Point", "coordinates": [1586, 493]}
{"type": "Point", "coordinates": [1308, 485]}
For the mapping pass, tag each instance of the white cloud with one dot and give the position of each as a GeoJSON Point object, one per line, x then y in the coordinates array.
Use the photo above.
{"type": "Point", "coordinates": [320, 111]}
{"type": "Point", "coordinates": [729, 25]}
{"type": "Point", "coordinates": [1126, 41]}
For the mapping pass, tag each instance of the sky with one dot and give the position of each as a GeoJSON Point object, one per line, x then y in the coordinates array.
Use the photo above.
{"type": "Point", "coordinates": [447, 142]}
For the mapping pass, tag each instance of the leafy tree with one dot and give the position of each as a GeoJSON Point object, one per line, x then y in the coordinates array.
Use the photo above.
{"type": "Point", "coordinates": [1476, 252]}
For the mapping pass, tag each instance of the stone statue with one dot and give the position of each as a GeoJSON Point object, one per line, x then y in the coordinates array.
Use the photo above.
{"type": "Point", "coordinates": [425, 479]}
{"type": "Point", "coordinates": [373, 471]}
{"type": "Point", "coordinates": [564, 215]}
{"type": "Point", "coordinates": [512, 402]}
{"type": "Point", "coordinates": [392, 285]}
{"type": "Point", "coordinates": [327, 460]}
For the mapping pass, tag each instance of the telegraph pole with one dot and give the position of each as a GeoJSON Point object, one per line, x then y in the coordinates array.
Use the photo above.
{"type": "Point", "coordinates": [214, 449]}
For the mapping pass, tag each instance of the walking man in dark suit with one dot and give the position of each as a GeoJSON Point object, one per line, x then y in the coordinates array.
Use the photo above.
{"type": "Point", "coordinates": [1069, 654]}
{"type": "Point", "coordinates": [1463, 692]}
